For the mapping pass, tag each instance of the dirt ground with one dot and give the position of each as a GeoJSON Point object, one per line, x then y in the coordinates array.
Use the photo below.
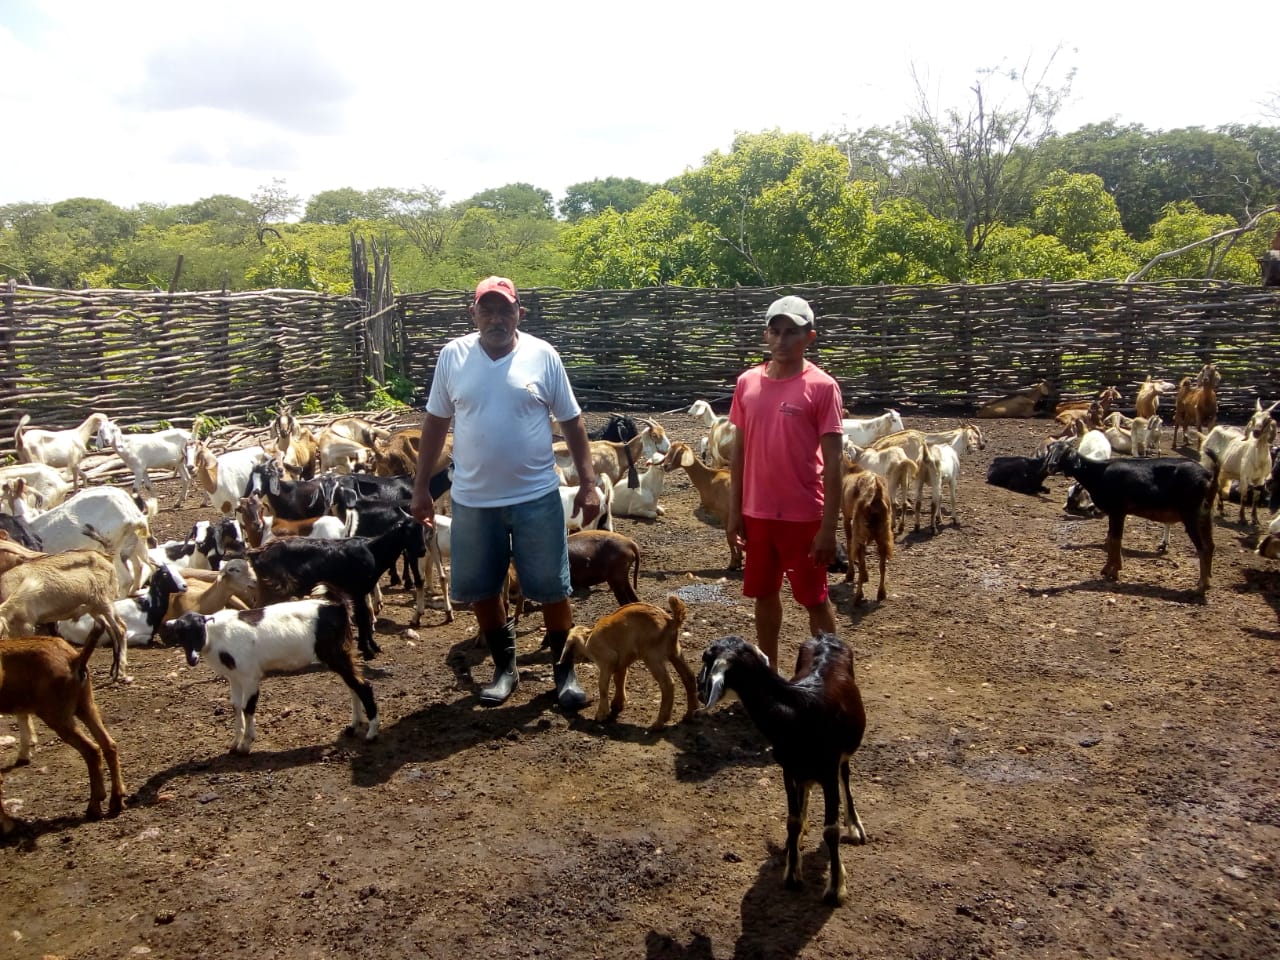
{"type": "Point", "coordinates": [1055, 766]}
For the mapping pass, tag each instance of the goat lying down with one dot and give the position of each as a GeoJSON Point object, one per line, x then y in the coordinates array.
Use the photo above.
{"type": "Point", "coordinates": [244, 646]}
{"type": "Point", "coordinates": [815, 722]}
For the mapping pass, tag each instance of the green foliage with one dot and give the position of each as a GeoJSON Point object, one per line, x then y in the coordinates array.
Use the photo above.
{"type": "Point", "coordinates": [336, 405]}
{"type": "Point", "coordinates": [390, 396]}
{"type": "Point", "coordinates": [204, 425]}
{"type": "Point", "coordinates": [514, 200]}
{"type": "Point", "coordinates": [1015, 253]}
{"type": "Point", "coordinates": [343, 206]}
{"type": "Point", "coordinates": [310, 404]}
{"type": "Point", "coordinates": [1184, 223]}
{"type": "Point", "coordinates": [596, 196]}
{"type": "Point", "coordinates": [1075, 208]}
{"type": "Point", "coordinates": [905, 244]}
{"type": "Point", "coordinates": [285, 267]}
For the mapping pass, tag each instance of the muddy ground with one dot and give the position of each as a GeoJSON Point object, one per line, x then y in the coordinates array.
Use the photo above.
{"type": "Point", "coordinates": [1054, 766]}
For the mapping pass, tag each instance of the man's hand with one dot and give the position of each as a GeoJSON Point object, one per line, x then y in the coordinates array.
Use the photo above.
{"type": "Point", "coordinates": [587, 503]}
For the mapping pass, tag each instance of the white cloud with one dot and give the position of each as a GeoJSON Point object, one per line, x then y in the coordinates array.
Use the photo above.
{"type": "Point", "coordinates": [144, 100]}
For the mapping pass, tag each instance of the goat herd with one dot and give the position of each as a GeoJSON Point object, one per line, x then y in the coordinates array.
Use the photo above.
{"type": "Point", "coordinates": [286, 573]}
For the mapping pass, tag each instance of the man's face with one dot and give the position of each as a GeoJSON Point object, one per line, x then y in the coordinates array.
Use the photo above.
{"type": "Point", "coordinates": [785, 340]}
{"type": "Point", "coordinates": [497, 318]}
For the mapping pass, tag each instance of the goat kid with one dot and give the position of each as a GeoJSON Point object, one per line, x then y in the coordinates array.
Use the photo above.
{"type": "Point", "coordinates": [243, 646]}
{"type": "Point", "coordinates": [815, 722]}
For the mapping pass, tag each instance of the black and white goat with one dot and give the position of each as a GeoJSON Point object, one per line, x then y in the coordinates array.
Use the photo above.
{"type": "Point", "coordinates": [245, 645]}
{"type": "Point", "coordinates": [295, 566]}
{"type": "Point", "coordinates": [815, 722]}
{"type": "Point", "coordinates": [141, 613]}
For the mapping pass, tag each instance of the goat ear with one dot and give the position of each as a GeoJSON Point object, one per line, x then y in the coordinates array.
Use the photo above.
{"type": "Point", "coordinates": [763, 656]}
{"type": "Point", "coordinates": [716, 682]}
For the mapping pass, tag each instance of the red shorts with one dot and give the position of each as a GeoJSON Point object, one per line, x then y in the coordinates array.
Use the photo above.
{"type": "Point", "coordinates": [775, 547]}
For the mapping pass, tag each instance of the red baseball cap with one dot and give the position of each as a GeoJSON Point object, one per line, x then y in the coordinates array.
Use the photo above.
{"type": "Point", "coordinates": [497, 285]}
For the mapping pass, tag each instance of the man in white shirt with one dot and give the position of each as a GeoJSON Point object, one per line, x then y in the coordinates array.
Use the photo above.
{"type": "Point", "coordinates": [500, 387]}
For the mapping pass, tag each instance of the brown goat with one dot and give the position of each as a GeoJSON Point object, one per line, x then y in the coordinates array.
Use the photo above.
{"type": "Point", "coordinates": [868, 516]}
{"type": "Point", "coordinates": [602, 556]}
{"type": "Point", "coordinates": [1149, 393]}
{"type": "Point", "coordinates": [49, 678]}
{"type": "Point", "coordinates": [1107, 398]}
{"type": "Point", "coordinates": [712, 486]}
{"type": "Point", "coordinates": [1023, 403]}
{"type": "Point", "coordinates": [1196, 403]}
{"type": "Point", "coordinates": [638, 631]}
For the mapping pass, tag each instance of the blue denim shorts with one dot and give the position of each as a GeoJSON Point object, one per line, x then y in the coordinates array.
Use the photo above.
{"type": "Point", "coordinates": [486, 539]}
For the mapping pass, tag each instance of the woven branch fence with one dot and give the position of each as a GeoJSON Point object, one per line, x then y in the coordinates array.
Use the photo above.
{"type": "Point", "coordinates": [145, 356]}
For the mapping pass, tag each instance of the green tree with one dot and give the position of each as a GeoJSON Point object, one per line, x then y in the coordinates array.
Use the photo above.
{"type": "Point", "coordinates": [1015, 253]}
{"type": "Point", "coordinates": [342, 206]}
{"type": "Point", "coordinates": [974, 163]}
{"type": "Point", "coordinates": [906, 244]}
{"type": "Point", "coordinates": [1075, 208]}
{"type": "Point", "coordinates": [514, 200]}
{"type": "Point", "coordinates": [273, 203]}
{"type": "Point", "coordinates": [595, 196]}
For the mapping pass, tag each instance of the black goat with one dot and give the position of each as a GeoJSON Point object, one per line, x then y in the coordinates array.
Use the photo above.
{"type": "Point", "coordinates": [620, 429]}
{"type": "Point", "coordinates": [289, 499]}
{"type": "Point", "coordinates": [815, 722]}
{"type": "Point", "coordinates": [1164, 489]}
{"type": "Point", "coordinates": [293, 566]}
{"type": "Point", "coordinates": [1025, 474]}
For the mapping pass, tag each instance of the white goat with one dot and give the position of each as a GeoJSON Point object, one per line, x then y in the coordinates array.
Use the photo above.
{"type": "Point", "coordinates": [171, 449]}
{"type": "Point", "coordinates": [57, 448]}
{"type": "Point", "coordinates": [717, 446]}
{"type": "Point", "coordinates": [865, 431]}
{"type": "Point", "coordinates": [42, 486]}
{"type": "Point", "coordinates": [1244, 457]}
{"type": "Point", "coordinates": [104, 519]}
{"type": "Point", "coordinates": [223, 480]}
{"type": "Point", "coordinates": [244, 646]}
{"type": "Point", "coordinates": [643, 500]}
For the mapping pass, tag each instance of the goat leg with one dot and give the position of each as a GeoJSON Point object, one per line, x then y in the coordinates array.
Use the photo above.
{"type": "Point", "coordinates": [791, 878]}
{"type": "Point", "coordinates": [837, 888]}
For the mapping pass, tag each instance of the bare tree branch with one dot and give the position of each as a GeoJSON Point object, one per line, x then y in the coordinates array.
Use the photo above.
{"type": "Point", "coordinates": [1216, 259]}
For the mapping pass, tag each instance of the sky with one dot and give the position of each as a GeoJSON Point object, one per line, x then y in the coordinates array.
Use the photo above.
{"type": "Point", "coordinates": [143, 101]}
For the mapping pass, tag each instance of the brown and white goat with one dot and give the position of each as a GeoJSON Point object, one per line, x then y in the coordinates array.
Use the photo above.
{"type": "Point", "coordinates": [1243, 457]}
{"type": "Point", "coordinates": [1107, 398]}
{"type": "Point", "coordinates": [48, 678]}
{"type": "Point", "coordinates": [617, 460]}
{"type": "Point", "coordinates": [1147, 402]}
{"type": "Point", "coordinates": [638, 631]}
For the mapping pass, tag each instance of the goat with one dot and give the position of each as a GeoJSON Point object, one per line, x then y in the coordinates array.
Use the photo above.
{"type": "Point", "coordinates": [893, 464]}
{"type": "Point", "coordinates": [294, 567]}
{"type": "Point", "coordinates": [44, 677]}
{"type": "Point", "coordinates": [294, 444]}
{"type": "Point", "coordinates": [398, 455]}
{"type": "Point", "coordinates": [57, 448]}
{"type": "Point", "coordinates": [14, 523]}
{"type": "Point", "coordinates": [637, 631]}
{"type": "Point", "coordinates": [642, 500]}
{"type": "Point", "coordinates": [721, 434]}
{"type": "Point", "coordinates": [1246, 457]}
{"type": "Point", "coordinates": [712, 486]}
{"type": "Point", "coordinates": [243, 646]}
{"type": "Point", "coordinates": [864, 432]}
{"type": "Point", "coordinates": [1022, 403]}
{"type": "Point", "coordinates": [42, 486]}
{"type": "Point", "coordinates": [1196, 402]}
{"type": "Point", "coordinates": [1163, 489]}
{"type": "Point", "coordinates": [1107, 398]}
{"type": "Point", "coordinates": [104, 518]}
{"type": "Point", "coordinates": [171, 449]}
{"type": "Point", "coordinates": [603, 520]}
{"type": "Point", "coordinates": [209, 543]}
{"type": "Point", "coordinates": [222, 480]}
{"type": "Point", "coordinates": [815, 722]}
{"type": "Point", "coordinates": [370, 519]}
{"type": "Point", "coordinates": [1026, 474]}
{"type": "Point", "coordinates": [1091, 416]}
{"type": "Point", "coordinates": [60, 586]}
{"type": "Point", "coordinates": [939, 464]}
{"type": "Point", "coordinates": [1269, 545]}
{"type": "Point", "coordinates": [234, 587]}
{"type": "Point", "coordinates": [1147, 402]}
{"type": "Point", "coordinates": [868, 516]}
{"type": "Point", "coordinates": [289, 499]}
{"type": "Point", "coordinates": [341, 454]}
{"type": "Point", "coordinates": [141, 614]}
{"type": "Point", "coordinates": [602, 556]}
{"type": "Point", "coordinates": [614, 460]}
{"type": "Point", "coordinates": [358, 430]}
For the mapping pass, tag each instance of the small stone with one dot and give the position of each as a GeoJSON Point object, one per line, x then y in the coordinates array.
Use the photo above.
{"type": "Point", "coordinates": [1108, 705]}
{"type": "Point", "coordinates": [1018, 924]}
{"type": "Point", "coordinates": [1090, 741]}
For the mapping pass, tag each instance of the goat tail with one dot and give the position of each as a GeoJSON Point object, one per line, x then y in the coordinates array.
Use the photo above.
{"type": "Point", "coordinates": [18, 431]}
{"type": "Point", "coordinates": [341, 598]}
{"type": "Point", "coordinates": [1216, 466]}
{"type": "Point", "coordinates": [677, 609]}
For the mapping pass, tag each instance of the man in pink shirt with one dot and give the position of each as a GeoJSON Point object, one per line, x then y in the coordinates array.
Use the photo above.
{"type": "Point", "coordinates": [785, 490]}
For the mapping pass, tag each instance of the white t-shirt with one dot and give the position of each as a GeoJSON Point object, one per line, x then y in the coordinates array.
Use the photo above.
{"type": "Point", "coordinates": [501, 431]}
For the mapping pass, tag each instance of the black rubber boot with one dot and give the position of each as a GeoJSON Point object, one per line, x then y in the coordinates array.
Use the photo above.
{"type": "Point", "coordinates": [502, 646]}
{"type": "Point", "coordinates": [568, 693]}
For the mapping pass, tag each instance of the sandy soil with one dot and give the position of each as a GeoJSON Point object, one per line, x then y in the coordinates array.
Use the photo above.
{"type": "Point", "coordinates": [1054, 766]}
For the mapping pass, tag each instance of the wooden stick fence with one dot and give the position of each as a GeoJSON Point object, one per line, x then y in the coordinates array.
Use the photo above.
{"type": "Point", "coordinates": [146, 356]}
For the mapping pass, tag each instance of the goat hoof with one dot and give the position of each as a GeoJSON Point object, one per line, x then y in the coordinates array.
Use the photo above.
{"type": "Point", "coordinates": [94, 812]}
{"type": "Point", "coordinates": [116, 807]}
{"type": "Point", "coordinates": [793, 883]}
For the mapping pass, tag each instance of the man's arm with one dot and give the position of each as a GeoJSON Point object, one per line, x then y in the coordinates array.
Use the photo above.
{"type": "Point", "coordinates": [733, 529]}
{"type": "Point", "coordinates": [824, 543]}
{"type": "Point", "coordinates": [434, 431]}
{"type": "Point", "coordinates": [588, 499]}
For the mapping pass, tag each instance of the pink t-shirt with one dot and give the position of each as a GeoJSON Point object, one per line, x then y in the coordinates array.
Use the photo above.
{"type": "Point", "coordinates": [780, 422]}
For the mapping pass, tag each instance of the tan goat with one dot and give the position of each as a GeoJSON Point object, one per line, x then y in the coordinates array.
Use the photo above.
{"type": "Point", "coordinates": [614, 460]}
{"type": "Point", "coordinates": [234, 587]}
{"type": "Point", "coordinates": [1149, 393]}
{"type": "Point", "coordinates": [1107, 398]}
{"type": "Point", "coordinates": [48, 678]}
{"type": "Point", "coordinates": [638, 631]}
{"type": "Point", "coordinates": [63, 586]}
{"type": "Point", "coordinates": [1023, 403]}
{"type": "Point", "coordinates": [712, 486]}
{"type": "Point", "coordinates": [868, 517]}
